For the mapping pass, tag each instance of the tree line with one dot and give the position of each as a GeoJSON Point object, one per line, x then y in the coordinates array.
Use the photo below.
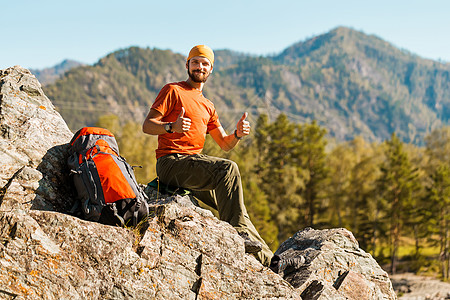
{"type": "Point", "coordinates": [394, 197]}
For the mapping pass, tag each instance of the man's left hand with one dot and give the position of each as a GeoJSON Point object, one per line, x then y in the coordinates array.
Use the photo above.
{"type": "Point", "coordinates": [243, 126]}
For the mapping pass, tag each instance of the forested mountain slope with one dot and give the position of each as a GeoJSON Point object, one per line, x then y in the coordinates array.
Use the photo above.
{"type": "Point", "coordinates": [351, 83]}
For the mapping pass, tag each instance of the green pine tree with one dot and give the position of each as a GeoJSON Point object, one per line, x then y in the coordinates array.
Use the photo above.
{"type": "Point", "coordinates": [396, 186]}
{"type": "Point", "coordinates": [439, 206]}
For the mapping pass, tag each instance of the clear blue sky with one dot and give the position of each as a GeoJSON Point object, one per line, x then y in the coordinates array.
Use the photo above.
{"type": "Point", "coordinates": [38, 34]}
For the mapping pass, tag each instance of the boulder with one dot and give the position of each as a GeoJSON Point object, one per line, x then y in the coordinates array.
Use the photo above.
{"type": "Point", "coordinates": [33, 146]}
{"type": "Point", "coordinates": [334, 268]}
{"type": "Point", "coordinates": [186, 253]}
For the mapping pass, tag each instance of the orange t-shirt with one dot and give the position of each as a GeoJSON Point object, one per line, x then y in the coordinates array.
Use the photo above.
{"type": "Point", "coordinates": [200, 110]}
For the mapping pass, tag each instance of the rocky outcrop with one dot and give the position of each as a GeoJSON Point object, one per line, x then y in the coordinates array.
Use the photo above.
{"type": "Point", "coordinates": [335, 267]}
{"type": "Point", "coordinates": [186, 253]}
{"type": "Point", "coordinates": [33, 145]}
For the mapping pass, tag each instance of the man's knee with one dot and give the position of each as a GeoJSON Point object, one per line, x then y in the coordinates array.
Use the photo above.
{"type": "Point", "coordinates": [232, 168]}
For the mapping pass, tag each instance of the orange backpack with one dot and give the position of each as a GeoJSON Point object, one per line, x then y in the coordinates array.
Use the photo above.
{"type": "Point", "coordinates": [105, 183]}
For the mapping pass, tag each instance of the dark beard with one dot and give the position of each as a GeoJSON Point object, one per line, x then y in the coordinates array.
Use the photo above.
{"type": "Point", "coordinates": [198, 77]}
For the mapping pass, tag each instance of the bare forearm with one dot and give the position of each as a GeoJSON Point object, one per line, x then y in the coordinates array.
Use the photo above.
{"type": "Point", "coordinates": [225, 141]}
{"type": "Point", "coordinates": [153, 124]}
{"type": "Point", "coordinates": [242, 129]}
{"type": "Point", "coordinates": [154, 127]}
{"type": "Point", "coordinates": [229, 142]}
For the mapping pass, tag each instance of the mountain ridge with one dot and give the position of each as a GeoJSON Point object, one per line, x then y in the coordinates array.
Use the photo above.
{"type": "Point", "coordinates": [351, 83]}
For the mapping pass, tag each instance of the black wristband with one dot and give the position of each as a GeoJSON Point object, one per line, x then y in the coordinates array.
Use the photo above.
{"type": "Point", "coordinates": [236, 136]}
{"type": "Point", "coordinates": [168, 127]}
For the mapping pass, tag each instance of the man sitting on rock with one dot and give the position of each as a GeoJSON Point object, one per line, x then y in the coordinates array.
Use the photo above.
{"type": "Point", "coordinates": [181, 117]}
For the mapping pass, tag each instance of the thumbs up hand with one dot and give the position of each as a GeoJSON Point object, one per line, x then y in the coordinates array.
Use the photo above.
{"type": "Point", "coordinates": [182, 124]}
{"type": "Point", "coordinates": [243, 126]}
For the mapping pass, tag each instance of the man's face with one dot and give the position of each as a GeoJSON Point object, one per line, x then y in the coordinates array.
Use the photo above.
{"type": "Point", "coordinates": [199, 68]}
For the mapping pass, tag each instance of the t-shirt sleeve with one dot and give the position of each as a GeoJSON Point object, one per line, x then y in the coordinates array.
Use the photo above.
{"type": "Point", "coordinates": [165, 100]}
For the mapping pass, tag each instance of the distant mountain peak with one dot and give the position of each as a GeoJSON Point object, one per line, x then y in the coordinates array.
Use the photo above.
{"type": "Point", "coordinates": [49, 75]}
{"type": "Point", "coordinates": [344, 40]}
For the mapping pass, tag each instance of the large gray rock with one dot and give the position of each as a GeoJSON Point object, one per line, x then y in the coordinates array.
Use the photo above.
{"type": "Point", "coordinates": [335, 267]}
{"type": "Point", "coordinates": [33, 145]}
{"type": "Point", "coordinates": [186, 253]}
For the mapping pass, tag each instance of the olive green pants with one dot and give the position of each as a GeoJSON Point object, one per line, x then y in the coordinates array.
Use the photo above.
{"type": "Point", "coordinates": [217, 183]}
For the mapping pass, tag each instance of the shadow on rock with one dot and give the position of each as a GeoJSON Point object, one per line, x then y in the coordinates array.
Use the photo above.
{"type": "Point", "coordinates": [55, 191]}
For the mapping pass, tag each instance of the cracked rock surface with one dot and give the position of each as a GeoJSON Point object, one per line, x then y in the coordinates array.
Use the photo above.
{"type": "Point", "coordinates": [335, 267]}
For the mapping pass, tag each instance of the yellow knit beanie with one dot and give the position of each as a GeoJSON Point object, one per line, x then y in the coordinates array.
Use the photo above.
{"type": "Point", "coordinates": [202, 50]}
